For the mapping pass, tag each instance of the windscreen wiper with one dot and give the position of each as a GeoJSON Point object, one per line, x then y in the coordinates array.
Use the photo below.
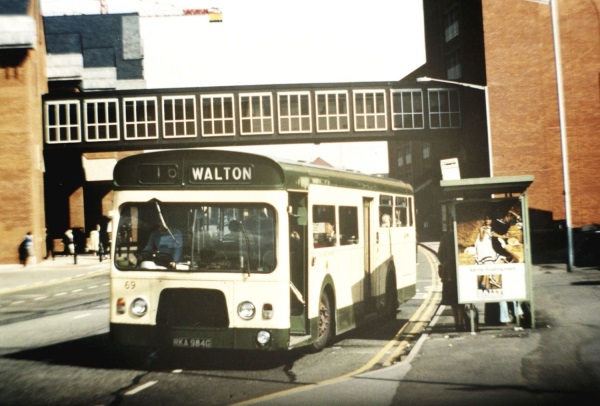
{"type": "Point", "coordinates": [247, 239]}
{"type": "Point", "coordinates": [162, 220]}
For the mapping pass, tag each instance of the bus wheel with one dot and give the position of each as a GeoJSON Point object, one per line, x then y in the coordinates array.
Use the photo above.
{"type": "Point", "coordinates": [326, 323]}
{"type": "Point", "coordinates": [391, 298]}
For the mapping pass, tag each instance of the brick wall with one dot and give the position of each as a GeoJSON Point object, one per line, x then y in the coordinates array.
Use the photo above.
{"type": "Point", "coordinates": [22, 83]}
{"type": "Point", "coordinates": [520, 67]}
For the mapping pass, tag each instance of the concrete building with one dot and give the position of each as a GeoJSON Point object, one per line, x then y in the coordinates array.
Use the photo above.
{"type": "Point", "coordinates": [87, 53]}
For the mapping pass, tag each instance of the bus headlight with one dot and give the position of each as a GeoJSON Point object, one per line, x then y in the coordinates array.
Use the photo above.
{"type": "Point", "coordinates": [139, 307]}
{"type": "Point", "coordinates": [246, 310]}
{"type": "Point", "coordinates": [263, 337]}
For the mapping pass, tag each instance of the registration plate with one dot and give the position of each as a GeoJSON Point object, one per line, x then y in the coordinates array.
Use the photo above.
{"type": "Point", "coordinates": [192, 342]}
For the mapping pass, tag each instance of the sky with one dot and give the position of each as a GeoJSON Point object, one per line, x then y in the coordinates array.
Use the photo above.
{"type": "Point", "coordinates": [277, 42]}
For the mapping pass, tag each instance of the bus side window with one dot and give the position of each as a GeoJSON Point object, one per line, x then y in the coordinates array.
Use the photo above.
{"type": "Point", "coordinates": [324, 234]}
{"type": "Point", "coordinates": [348, 217]}
{"type": "Point", "coordinates": [401, 210]}
{"type": "Point", "coordinates": [385, 210]}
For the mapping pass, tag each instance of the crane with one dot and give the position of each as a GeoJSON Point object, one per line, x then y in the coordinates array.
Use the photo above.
{"type": "Point", "coordinates": [214, 14]}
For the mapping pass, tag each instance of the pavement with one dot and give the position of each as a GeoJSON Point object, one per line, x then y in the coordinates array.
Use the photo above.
{"type": "Point", "coordinates": [52, 270]}
{"type": "Point", "coordinates": [552, 363]}
{"type": "Point", "coordinates": [555, 363]}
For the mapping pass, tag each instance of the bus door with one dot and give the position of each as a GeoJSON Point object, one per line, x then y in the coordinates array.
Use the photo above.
{"type": "Point", "coordinates": [368, 299]}
{"type": "Point", "coordinates": [298, 222]}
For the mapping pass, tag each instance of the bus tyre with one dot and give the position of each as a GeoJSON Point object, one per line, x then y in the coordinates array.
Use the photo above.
{"type": "Point", "coordinates": [391, 298]}
{"type": "Point", "coordinates": [326, 323]}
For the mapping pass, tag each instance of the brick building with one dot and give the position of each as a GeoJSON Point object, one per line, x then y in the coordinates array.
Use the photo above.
{"type": "Point", "coordinates": [22, 83]}
{"type": "Point", "coordinates": [54, 54]}
{"type": "Point", "coordinates": [509, 46]}
{"type": "Point", "coordinates": [521, 76]}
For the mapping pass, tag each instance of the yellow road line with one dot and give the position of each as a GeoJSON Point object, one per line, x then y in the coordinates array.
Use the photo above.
{"type": "Point", "coordinates": [419, 319]}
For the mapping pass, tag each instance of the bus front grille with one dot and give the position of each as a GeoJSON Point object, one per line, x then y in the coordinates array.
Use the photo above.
{"type": "Point", "coordinates": [199, 308]}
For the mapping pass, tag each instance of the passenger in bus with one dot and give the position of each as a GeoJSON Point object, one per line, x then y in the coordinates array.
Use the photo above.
{"type": "Point", "coordinates": [386, 220]}
{"type": "Point", "coordinates": [329, 234]}
{"type": "Point", "coordinates": [235, 231]}
{"type": "Point", "coordinates": [165, 240]}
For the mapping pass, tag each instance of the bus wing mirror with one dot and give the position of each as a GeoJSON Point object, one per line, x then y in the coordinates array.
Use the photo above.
{"type": "Point", "coordinates": [302, 216]}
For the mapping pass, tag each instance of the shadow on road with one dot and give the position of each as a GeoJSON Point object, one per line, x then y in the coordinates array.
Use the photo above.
{"type": "Point", "coordinates": [97, 352]}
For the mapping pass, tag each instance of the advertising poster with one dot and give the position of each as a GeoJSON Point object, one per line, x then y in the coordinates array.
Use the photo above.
{"type": "Point", "coordinates": [490, 251]}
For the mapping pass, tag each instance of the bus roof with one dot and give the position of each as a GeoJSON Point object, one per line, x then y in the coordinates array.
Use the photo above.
{"type": "Point", "coordinates": [212, 169]}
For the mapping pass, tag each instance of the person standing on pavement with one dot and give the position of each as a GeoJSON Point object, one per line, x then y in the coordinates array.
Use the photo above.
{"type": "Point", "coordinates": [95, 239]}
{"type": "Point", "coordinates": [26, 249]}
{"type": "Point", "coordinates": [69, 243]}
{"type": "Point", "coordinates": [447, 273]}
{"type": "Point", "coordinates": [49, 246]}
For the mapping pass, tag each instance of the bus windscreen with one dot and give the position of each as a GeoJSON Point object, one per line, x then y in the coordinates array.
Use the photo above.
{"type": "Point", "coordinates": [196, 237]}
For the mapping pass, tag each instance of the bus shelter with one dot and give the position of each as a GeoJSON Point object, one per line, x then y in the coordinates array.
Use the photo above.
{"type": "Point", "coordinates": [492, 241]}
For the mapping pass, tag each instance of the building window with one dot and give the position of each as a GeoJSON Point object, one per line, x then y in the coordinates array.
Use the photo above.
{"type": "Point", "coordinates": [369, 110]}
{"type": "Point", "coordinates": [294, 112]}
{"type": "Point", "coordinates": [332, 111]}
{"type": "Point", "coordinates": [407, 109]}
{"type": "Point", "coordinates": [453, 66]}
{"type": "Point", "coordinates": [101, 120]}
{"type": "Point", "coordinates": [218, 115]}
{"type": "Point", "coordinates": [179, 116]}
{"type": "Point", "coordinates": [141, 118]}
{"type": "Point", "coordinates": [256, 113]}
{"type": "Point", "coordinates": [400, 156]}
{"type": "Point", "coordinates": [444, 108]}
{"type": "Point", "coordinates": [408, 153]}
{"type": "Point", "coordinates": [63, 122]}
{"type": "Point", "coordinates": [427, 155]}
{"type": "Point", "coordinates": [451, 26]}
{"type": "Point", "coordinates": [426, 150]}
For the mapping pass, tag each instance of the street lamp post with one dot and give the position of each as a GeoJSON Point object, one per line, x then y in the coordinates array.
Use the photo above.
{"type": "Point", "coordinates": [487, 110]}
{"type": "Point", "coordinates": [563, 132]}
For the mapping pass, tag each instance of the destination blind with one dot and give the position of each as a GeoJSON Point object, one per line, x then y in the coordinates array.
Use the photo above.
{"type": "Point", "coordinates": [220, 173]}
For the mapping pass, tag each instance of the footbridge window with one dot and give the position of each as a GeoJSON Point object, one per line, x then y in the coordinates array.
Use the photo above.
{"type": "Point", "coordinates": [369, 110]}
{"type": "Point", "coordinates": [444, 108]}
{"type": "Point", "coordinates": [407, 109]}
{"type": "Point", "coordinates": [63, 122]}
{"type": "Point", "coordinates": [294, 112]}
{"type": "Point", "coordinates": [101, 120]}
{"type": "Point", "coordinates": [141, 118]}
{"type": "Point", "coordinates": [256, 113]}
{"type": "Point", "coordinates": [218, 115]}
{"type": "Point", "coordinates": [179, 116]}
{"type": "Point", "coordinates": [332, 111]}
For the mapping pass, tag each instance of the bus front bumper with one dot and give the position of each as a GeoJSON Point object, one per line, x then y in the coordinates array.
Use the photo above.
{"type": "Point", "coordinates": [130, 335]}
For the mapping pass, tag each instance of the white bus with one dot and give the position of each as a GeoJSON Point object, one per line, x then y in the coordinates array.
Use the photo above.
{"type": "Point", "coordinates": [221, 249]}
